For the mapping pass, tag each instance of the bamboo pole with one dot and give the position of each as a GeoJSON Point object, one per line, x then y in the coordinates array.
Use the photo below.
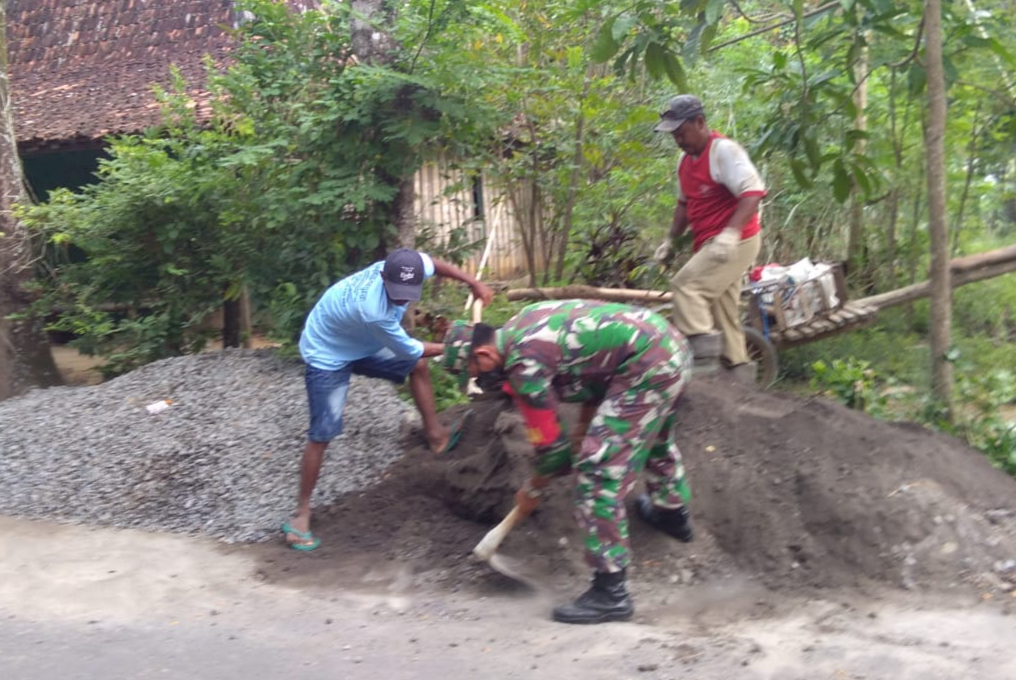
{"type": "Point", "coordinates": [589, 293]}
{"type": "Point", "coordinates": [902, 296]}
{"type": "Point", "coordinates": [964, 270]}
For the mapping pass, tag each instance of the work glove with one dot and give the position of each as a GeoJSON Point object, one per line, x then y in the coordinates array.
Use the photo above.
{"type": "Point", "coordinates": [664, 252]}
{"type": "Point", "coordinates": [721, 248]}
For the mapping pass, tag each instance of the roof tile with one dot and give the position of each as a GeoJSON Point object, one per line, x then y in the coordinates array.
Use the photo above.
{"type": "Point", "coordinates": [80, 70]}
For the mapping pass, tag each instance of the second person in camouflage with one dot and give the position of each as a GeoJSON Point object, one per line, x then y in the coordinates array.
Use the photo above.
{"type": "Point", "coordinates": [628, 366]}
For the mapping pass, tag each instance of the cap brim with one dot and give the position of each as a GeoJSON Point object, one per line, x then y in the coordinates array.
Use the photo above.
{"type": "Point", "coordinates": [669, 125]}
{"type": "Point", "coordinates": [398, 291]}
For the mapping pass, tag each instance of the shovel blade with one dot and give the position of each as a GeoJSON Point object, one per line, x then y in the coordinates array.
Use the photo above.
{"type": "Point", "coordinates": [513, 569]}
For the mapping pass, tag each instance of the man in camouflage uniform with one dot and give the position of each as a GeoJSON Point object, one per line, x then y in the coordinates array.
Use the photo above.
{"type": "Point", "coordinates": [628, 367]}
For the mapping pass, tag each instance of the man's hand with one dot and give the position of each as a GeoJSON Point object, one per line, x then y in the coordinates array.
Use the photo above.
{"type": "Point", "coordinates": [529, 496]}
{"type": "Point", "coordinates": [722, 247]}
{"type": "Point", "coordinates": [482, 292]}
{"type": "Point", "coordinates": [665, 252]}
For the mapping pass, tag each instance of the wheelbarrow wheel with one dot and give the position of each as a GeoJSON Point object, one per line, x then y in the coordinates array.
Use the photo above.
{"type": "Point", "coordinates": [763, 353]}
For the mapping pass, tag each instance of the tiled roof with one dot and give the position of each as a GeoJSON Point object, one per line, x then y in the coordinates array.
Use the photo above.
{"type": "Point", "coordinates": [83, 69]}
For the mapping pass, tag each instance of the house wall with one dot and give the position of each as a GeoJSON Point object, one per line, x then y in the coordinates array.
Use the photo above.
{"type": "Point", "coordinates": [447, 199]}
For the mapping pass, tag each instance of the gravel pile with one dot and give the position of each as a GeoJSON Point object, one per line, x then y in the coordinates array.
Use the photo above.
{"type": "Point", "coordinates": [222, 459]}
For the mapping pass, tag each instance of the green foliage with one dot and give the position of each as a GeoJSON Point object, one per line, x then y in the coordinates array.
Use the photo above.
{"type": "Point", "coordinates": [446, 389]}
{"type": "Point", "coordinates": [986, 418]}
{"type": "Point", "coordinates": [985, 415]}
{"type": "Point", "coordinates": [290, 184]}
{"type": "Point", "coordinates": [159, 259]}
{"type": "Point", "coordinates": [614, 257]}
{"type": "Point", "coordinates": [851, 382]}
{"type": "Point", "coordinates": [287, 187]}
{"type": "Point", "coordinates": [448, 302]}
{"type": "Point", "coordinates": [887, 368]}
{"type": "Point", "coordinates": [988, 308]}
{"type": "Point", "coordinates": [793, 94]}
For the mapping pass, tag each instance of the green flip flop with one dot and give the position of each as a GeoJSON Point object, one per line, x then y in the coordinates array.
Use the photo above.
{"type": "Point", "coordinates": [303, 536]}
{"type": "Point", "coordinates": [456, 434]}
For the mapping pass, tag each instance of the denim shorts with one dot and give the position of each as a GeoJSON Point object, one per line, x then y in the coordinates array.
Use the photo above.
{"type": "Point", "coordinates": [326, 390]}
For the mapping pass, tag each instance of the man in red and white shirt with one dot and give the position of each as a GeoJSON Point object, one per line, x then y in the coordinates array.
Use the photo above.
{"type": "Point", "coordinates": [719, 192]}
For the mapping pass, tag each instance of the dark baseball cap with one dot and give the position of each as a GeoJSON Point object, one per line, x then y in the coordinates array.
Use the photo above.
{"type": "Point", "coordinates": [403, 275]}
{"type": "Point", "coordinates": [679, 109]}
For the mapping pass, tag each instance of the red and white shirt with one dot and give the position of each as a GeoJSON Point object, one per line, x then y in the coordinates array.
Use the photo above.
{"type": "Point", "coordinates": [710, 185]}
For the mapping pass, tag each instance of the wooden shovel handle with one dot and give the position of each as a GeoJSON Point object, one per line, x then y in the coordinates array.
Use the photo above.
{"type": "Point", "coordinates": [488, 544]}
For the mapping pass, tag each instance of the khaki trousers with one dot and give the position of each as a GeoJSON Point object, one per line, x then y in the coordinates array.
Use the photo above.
{"type": "Point", "coordinates": [707, 296]}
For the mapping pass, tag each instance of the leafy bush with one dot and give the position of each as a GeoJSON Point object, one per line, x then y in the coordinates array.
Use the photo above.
{"type": "Point", "coordinates": [983, 400]}
{"type": "Point", "coordinates": [289, 186]}
{"type": "Point", "coordinates": [850, 382]}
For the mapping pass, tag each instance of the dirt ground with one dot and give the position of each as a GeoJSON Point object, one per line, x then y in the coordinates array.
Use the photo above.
{"type": "Point", "coordinates": [791, 497]}
{"type": "Point", "coordinates": [828, 545]}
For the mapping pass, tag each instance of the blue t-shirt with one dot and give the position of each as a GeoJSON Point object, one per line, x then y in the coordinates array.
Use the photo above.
{"type": "Point", "coordinates": [355, 319]}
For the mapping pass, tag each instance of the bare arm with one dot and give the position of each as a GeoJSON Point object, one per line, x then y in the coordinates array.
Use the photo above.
{"type": "Point", "coordinates": [480, 291]}
{"type": "Point", "coordinates": [747, 206]}
{"type": "Point", "coordinates": [680, 221]}
{"type": "Point", "coordinates": [432, 349]}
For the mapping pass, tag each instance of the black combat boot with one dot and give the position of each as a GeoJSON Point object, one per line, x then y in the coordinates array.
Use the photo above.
{"type": "Point", "coordinates": [607, 600]}
{"type": "Point", "coordinates": [675, 522]}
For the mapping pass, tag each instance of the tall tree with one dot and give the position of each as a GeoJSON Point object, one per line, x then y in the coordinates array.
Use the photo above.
{"type": "Point", "coordinates": [941, 290]}
{"type": "Point", "coordinates": [373, 44]}
{"type": "Point", "coordinates": [25, 360]}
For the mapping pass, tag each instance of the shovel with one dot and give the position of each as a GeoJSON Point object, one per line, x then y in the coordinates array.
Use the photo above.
{"type": "Point", "coordinates": [486, 549]}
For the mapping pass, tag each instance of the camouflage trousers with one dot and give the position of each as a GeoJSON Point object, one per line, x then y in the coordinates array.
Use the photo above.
{"type": "Point", "coordinates": [633, 429]}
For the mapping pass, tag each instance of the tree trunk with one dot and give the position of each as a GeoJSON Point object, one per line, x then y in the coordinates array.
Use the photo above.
{"type": "Point", "coordinates": [941, 291]}
{"type": "Point", "coordinates": [25, 359]}
{"type": "Point", "coordinates": [962, 270]}
{"type": "Point", "coordinates": [372, 44]}
{"type": "Point", "coordinates": [893, 203]}
{"type": "Point", "coordinates": [855, 239]}
{"type": "Point", "coordinates": [404, 212]}
{"type": "Point", "coordinates": [232, 322]}
{"type": "Point", "coordinates": [522, 199]}
{"type": "Point", "coordinates": [971, 164]}
{"type": "Point", "coordinates": [573, 184]}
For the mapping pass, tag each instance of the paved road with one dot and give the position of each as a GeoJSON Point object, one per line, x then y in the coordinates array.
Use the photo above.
{"type": "Point", "coordinates": [84, 603]}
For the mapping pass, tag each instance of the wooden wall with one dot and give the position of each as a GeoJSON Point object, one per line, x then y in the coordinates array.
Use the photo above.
{"type": "Point", "coordinates": [446, 200]}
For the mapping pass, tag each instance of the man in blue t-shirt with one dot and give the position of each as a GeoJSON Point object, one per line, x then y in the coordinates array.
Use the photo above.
{"type": "Point", "coordinates": [356, 328]}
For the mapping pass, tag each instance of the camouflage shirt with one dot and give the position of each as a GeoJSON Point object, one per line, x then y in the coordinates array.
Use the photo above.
{"type": "Point", "coordinates": [571, 350]}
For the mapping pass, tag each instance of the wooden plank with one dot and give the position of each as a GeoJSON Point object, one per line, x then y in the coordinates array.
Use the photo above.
{"type": "Point", "coordinates": [841, 283]}
{"type": "Point", "coordinates": [781, 319]}
{"type": "Point", "coordinates": [791, 335]}
{"type": "Point", "coordinates": [824, 326]}
{"type": "Point", "coordinates": [848, 315]}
